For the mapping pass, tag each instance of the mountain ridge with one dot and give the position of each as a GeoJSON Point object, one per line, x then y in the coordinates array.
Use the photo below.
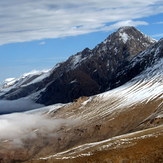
{"type": "Point", "coordinates": [134, 106]}
{"type": "Point", "coordinates": [132, 110]}
{"type": "Point", "coordinates": [89, 72]}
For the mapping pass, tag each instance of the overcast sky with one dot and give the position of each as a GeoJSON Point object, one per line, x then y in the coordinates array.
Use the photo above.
{"type": "Point", "coordinates": [36, 34]}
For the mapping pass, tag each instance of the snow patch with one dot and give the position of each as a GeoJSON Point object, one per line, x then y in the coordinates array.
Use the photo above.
{"type": "Point", "coordinates": [150, 39]}
{"type": "Point", "coordinates": [105, 41]}
{"type": "Point", "coordinates": [47, 109]}
{"type": "Point", "coordinates": [11, 83]}
{"type": "Point", "coordinates": [116, 50]}
{"type": "Point", "coordinates": [73, 81]}
{"type": "Point", "coordinates": [160, 116]}
{"type": "Point", "coordinates": [114, 142]}
{"type": "Point", "coordinates": [42, 76]}
{"type": "Point", "coordinates": [9, 79]}
{"type": "Point", "coordinates": [76, 59]}
{"type": "Point", "coordinates": [87, 101]}
{"type": "Point", "coordinates": [8, 82]}
{"type": "Point", "coordinates": [124, 36]}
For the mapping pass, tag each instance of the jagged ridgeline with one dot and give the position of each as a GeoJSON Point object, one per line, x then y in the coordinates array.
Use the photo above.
{"type": "Point", "coordinates": [89, 72]}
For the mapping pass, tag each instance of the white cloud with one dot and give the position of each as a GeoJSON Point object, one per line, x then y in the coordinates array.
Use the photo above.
{"type": "Point", "coordinates": [159, 23]}
{"type": "Point", "coordinates": [40, 19]}
{"type": "Point", "coordinates": [158, 35]}
{"type": "Point", "coordinates": [42, 43]}
{"type": "Point", "coordinates": [125, 23]}
{"type": "Point", "coordinates": [23, 104]}
{"type": "Point", "coordinates": [17, 126]}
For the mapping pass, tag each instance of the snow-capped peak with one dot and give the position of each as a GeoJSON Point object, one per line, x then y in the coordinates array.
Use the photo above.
{"type": "Point", "coordinates": [9, 82]}
{"type": "Point", "coordinates": [34, 72]}
{"type": "Point", "coordinates": [9, 79]}
{"type": "Point", "coordinates": [123, 34]}
{"type": "Point", "coordinates": [124, 28]}
{"type": "Point", "coordinates": [129, 32]}
{"type": "Point", "coordinates": [34, 75]}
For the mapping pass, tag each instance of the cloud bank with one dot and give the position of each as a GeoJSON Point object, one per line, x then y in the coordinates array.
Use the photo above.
{"type": "Point", "coordinates": [158, 35]}
{"type": "Point", "coordinates": [7, 106]}
{"type": "Point", "coordinates": [19, 124]}
{"type": "Point", "coordinates": [40, 19]}
{"type": "Point", "coordinates": [17, 127]}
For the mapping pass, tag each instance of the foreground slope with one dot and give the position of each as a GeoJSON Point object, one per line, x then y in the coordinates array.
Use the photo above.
{"type": "Point", "coordinates": [134, 106]}
{"type": "Point", "coordinates": [144, 146]}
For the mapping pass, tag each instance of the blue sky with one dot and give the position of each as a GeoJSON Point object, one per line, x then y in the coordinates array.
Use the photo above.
{"type": "Point", "coordinates": [35, 35]}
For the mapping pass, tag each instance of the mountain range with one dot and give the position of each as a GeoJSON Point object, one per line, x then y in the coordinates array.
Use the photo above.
{"type": "Point", "coordinates": [101, 105]}
{"type": "Point", "coordinates": [89, 72]}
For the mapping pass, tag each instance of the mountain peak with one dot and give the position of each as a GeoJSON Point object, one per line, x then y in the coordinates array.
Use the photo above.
{"type": "Point", "coordinates": [88, 72]}
{"type": "Point", "coordinates": [126, 28]}
{"type": "Point", "coordinates": [128, 34]}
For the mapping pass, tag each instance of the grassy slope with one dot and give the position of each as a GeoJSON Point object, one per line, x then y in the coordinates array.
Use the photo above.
{"type": "Point", "coordinates": [145, 146]}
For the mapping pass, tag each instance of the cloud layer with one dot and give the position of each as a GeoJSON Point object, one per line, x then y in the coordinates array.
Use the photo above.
{"type": "Point", "coordinates": [19, 126]}
{"type": "Point", "coordinates": [7, 106]}
{"type": "Point", "coordinates": [33, 20]}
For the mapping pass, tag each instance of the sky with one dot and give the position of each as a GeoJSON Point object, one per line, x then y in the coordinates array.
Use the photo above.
{"type": "Point", "coordinates": [37, 34]}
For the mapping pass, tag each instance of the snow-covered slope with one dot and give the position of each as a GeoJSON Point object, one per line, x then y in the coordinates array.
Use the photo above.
{"type": "Point", "coordinates": [141, 90]}
{"type": "Point", "coordinates": [127, 37]}
{"type": "Point", "coordinates": [24, 80]}
{"type": "Point", "coordinates": [21, 104]}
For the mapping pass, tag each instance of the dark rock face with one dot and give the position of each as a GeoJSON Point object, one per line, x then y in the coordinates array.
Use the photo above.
{"type": "Point", "coordinates": [142, 61]}
{"type": "Point", "coordinates": [94, 70]}
{"type": "Point", "coordinates": [90, 72]}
